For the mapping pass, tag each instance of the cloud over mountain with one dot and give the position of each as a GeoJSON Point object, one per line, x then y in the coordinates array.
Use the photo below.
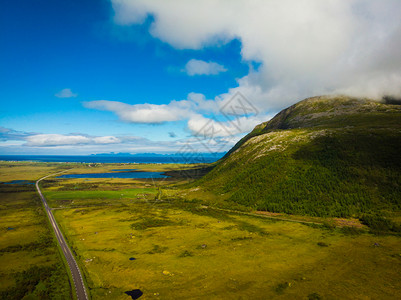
{"type": "Point", "coordinates": [305, 47]}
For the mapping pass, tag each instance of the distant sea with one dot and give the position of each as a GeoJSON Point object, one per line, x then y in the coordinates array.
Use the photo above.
{"type": "Point", "coordinates": [161, 159]}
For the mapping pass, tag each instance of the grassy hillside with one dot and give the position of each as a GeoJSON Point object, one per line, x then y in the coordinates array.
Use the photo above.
{"type": "Point", "coordinates": [324, 156]}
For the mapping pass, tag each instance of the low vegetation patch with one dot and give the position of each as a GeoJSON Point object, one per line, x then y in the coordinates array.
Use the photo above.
{"type": "Point", "coordinates": [148, 222]}
{"type": "Point", "coordinates": [157, 249]}
{"type": "Point", "coordinates": [281, 287]}
{"type": "Point", "coordinates": [186, 253]}
{"type": "Point", "coordinates": [39, 283]}
{"type": "Point", "coordinates": [379, 224]}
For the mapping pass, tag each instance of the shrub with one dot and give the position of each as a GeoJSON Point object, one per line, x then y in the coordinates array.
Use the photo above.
{"type": "Point", "coordinates": [379, 224]}
{"type": "Point", "coordinates": [314, 296]}
{"type": "Point", "coordinates": [186, 253]}
{"type": "Point", "coordinates": [281, 287]}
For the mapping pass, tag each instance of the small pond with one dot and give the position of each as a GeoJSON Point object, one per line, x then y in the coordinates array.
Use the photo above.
{"type": "Point", "coordinates": [19, 182]}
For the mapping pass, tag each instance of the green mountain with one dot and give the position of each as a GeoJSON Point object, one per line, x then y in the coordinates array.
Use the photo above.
{"type": "Point", "coordinates": [324, 156]}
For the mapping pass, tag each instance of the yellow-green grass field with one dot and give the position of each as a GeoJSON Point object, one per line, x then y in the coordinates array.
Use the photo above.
{"type": "Point", "coordinates": [27, 171]}
{"type": "Point", "coordinates": [194, 253]}
{"type": "Point", "coordinates": [186, 249]}
{"type": "Point", "coordinates": [30, 264]}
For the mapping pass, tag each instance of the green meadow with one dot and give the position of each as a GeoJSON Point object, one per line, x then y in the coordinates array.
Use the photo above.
{"type": "Point", "coordinates": [30, 264]}
{"type": "Point", "coordinates": [189, 252]}
{"type": "Point", "coordinates": [141, 234]}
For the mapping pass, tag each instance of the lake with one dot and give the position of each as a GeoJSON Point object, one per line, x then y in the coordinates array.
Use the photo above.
{"type": "Point", "coordinates": [124, 174]}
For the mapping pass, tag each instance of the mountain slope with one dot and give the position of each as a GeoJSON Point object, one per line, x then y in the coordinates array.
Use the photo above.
{"type": "Point", "coordinates": [324, 156]}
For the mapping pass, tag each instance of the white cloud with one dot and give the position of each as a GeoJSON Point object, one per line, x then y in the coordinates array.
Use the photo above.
{"type": "Point", "coordinates": [215, 128]}
{"type": "Point", "coordinates": [190, 109]}
{"type": "Point", "coordinates": [144, 113]}
{"type": "Point", "coordinates": [193, 23]}
{"type": "Point", "coordinates": [199, 103]}
{"type": "Point", "coordinates": [305, 47]}
{"type": "Point", "coordinates": [106, 140]}
{"type": "Point", "coordinates": [85, 144]}
{"type": "Point", "coordinates": [7, 134]}
{"type": "Point", "coordinates": [200, 67]}
{"type": "Point", "coordinates": [12, 141]}
{"type": "Point", "coordinates": [158, 113]}
{"type": "Point", "coordinates": [65, 93]}
{"type": "Point", "coordinates": [50, 140]}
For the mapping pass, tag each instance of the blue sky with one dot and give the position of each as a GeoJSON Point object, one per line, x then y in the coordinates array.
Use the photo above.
{"type": "Point", "coordinates": [56, 45]}
{"type": "Point", "coordinates": [81, 77]}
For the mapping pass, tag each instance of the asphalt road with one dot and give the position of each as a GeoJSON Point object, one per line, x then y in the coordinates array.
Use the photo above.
{"type": "Point", "coordinates": [75, 272]}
